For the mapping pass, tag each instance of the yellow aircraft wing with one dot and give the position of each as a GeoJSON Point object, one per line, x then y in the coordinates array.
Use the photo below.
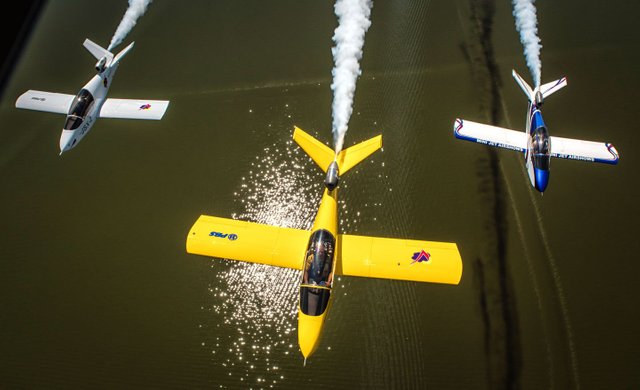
{"type": "Point", "coordinates": [391, 258]}
{"type": "Point", "coordinates": [248, 241]}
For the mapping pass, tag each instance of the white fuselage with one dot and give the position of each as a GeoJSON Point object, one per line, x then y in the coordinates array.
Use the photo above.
{"type": "Point", "coordinates": [85, 109]}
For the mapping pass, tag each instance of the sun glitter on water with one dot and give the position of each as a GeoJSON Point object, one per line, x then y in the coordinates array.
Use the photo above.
{"type": "Point", "coordinates": [255, 306]}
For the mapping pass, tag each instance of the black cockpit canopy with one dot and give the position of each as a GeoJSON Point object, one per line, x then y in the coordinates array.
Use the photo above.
{"type": "Point", "coordinates": [79, 109]}
{"type": "Point", "coordinates": [315, 287]}
{"type": "Point", "coordinates": [541, 148]}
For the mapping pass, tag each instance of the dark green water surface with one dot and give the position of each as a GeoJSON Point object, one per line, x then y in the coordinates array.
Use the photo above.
{"type": "Point", "coordinates": [97, 291]}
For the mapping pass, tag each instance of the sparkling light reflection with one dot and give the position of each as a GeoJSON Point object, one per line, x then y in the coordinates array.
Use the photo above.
{"type": "Point", "coordinates": [255, 306]}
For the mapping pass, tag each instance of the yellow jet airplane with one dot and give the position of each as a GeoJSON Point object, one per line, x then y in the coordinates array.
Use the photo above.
{"type": "Point", "coordinates": [324, 252]}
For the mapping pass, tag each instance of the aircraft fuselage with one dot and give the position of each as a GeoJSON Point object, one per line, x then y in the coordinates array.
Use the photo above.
{"type": "Point", "coordinates": [85, 108]}
{"type": "Point", "coordinates": [317, 273]}
{"type": "Point", "coordinates": [538, 152]}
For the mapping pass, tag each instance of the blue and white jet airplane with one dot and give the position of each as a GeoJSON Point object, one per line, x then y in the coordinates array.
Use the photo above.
{"type": "Point", "coordinates": [91, 102]}
{"type": "Point", "coordinates": [536, 144]}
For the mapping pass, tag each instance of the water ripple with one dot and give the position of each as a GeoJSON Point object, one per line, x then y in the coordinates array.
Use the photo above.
{"type": "Point", "coordinates": [253, 307]}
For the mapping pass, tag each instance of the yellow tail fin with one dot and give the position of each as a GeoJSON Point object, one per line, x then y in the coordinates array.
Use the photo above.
{"type": "Point", "coordinates": [351, 156]}
{"type": "Point", "coordinates": [319, 152]}
{"type": "Point", "coordinates": [324, 156]}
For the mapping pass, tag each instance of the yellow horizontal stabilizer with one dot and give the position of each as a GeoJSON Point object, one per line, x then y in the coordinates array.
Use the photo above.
{"type": "Point", "coordinates": [390, 258]}
{"type": "Point", "coordinates": [319, 152]}
{"type": "Point", "coordinates": [248, 241]}
{"type": "Point", "coordinates": [350, 157]}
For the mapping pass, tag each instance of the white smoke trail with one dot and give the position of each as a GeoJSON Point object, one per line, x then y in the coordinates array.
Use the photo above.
{"type": "Point", "coordinates": [353, 23]}
{"type": "Point", "coordinates": [526, 24]}
{"type": "Point", "coordinates": [136, 9]}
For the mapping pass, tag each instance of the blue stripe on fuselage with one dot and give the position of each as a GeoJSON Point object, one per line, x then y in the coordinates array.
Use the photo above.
{"type": "Point", "coordinates": [536, 120]}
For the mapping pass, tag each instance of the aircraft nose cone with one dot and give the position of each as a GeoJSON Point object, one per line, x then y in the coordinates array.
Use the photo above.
{"type": "Point", "coordinates": [65, 139]}
{"type": "Point", "coordinates": [542, 179]}
{"type": "Point", "coordinates": [309, 330]}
